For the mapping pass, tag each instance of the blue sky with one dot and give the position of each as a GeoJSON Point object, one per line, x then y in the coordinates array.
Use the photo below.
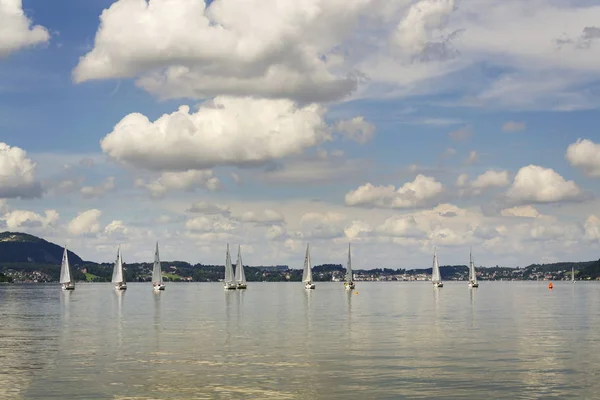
{"type": "Point", "coordinates": [461, 108]}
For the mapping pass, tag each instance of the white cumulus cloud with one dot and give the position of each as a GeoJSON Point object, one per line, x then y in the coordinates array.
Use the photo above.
{"type": "Point", "coordinates": [116, 228]}
{"type": "Point", "coordinates": [355, 228]}
{"type": "Point", "coordinates": [491, 178]}
{"type": "Point", "coordinates": [424, 18]}
{"type": "Point", "coordinates": [488, 180]}
{"type": "Point", "coordinates": [411, 194]}
{"type": "Point", "coordinates": [16, 30]}
{"type": "Point", "coordinates": [324, 50]}
{"type": "Point", "coordinates": [401, 226]}
{"type": "Point", "coordinates": [213, 224]}
{"type": "Point", "coordinates": [257, 47]}
{"type": "Point", "coordinates": [17, 174]}
{"type": "Point", "coordinates": [25, 219]}
{"type": "Point", "coordinates": [86, 222]}
{"type": "Point", "coordinates": [527, 211]}
{"type": "Point", "coordinates": [224, 131]}
{"type": "Point", "coordinates": [188, 181]}
{"type": "Point", "coordinates": [535, 184]}
{"type": "Point", "coordinates": [585, 155]}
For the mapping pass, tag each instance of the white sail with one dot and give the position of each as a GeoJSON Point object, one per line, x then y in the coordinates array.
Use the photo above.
{"type": "Point", "coordinates": [472, 274]}
{"type": "Point", "coordinates": [349, 267]}
{"type": "Point", "coordinates": [307, 273]}
{"type": "Point", "coordinates": [573, 274]}
{"type": "Point", "coordinates": [65, 269]}
{"type": "Point", "coordinates": [156, 270]}
{"type": "Point", "coordinates": [435, 272]}
{"type": "Point", "coordinates": [117, 276]}
{"type": "Point", "coordinates": [228, 267]}
{"type": "Point", "coordinates": [240, 276]}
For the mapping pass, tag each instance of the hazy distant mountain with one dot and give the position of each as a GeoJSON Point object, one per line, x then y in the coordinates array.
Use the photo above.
{"type": "Point", "coordinates": [16, 247]}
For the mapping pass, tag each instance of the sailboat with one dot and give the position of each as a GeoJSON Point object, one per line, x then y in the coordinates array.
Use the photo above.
{"type": "Point", "coordinates": [240, 276]}
{"type": "Point", "coordinates": [157, 281]}
{"type": "Point", "coordinates": [573, 274]}
{"type": "Point", "coordinates": [65, 273]}
{"type": "Point", "coordinates": [349, 284]}
{"type": "Point", "coordinates": [472, 275]}
{"type": "Point", "coordinates": [436, 277]}
{"type": "Point", "coordinates": [228, 283]}
{"type": "Point", "coordinates": [307, 273]}
{"type": "Point", "coordinates": [117, 277]}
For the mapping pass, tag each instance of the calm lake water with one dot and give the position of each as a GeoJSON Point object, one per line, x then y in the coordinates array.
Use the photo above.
{"type": "Point", "coordinates": [505, 340]}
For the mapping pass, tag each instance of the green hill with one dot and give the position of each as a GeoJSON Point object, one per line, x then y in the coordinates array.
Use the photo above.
{"type": "Point", "coordinates": [16, 247]}
{"type": "Point", "coordinates": [590, 271]}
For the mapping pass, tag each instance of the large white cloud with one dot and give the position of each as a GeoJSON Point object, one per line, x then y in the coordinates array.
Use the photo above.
{"type": "Point", "coordinates": [411, 194]}
{"type": "Point", "coordinates": [225, 131]}
{"type": "Point", "coordinates": [17, 173]}
{"type": "Point", "coordinates": [267, 48]}
{"type": "Point", "coordinates": [16, 30]}
{"type": "Point", "coordinates": [585, 155]}
{"type": "Point", "coordinates": [535, 184]}
{"type": "Point", "coordinates": [319, 50]}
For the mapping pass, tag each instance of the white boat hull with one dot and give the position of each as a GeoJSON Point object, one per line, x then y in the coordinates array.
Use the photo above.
{"type": "Point", "coordinates": [349, 286]}
{"type": "Point", "coordinates": [242, 286]}
{"type": "Point", "coordinates": [473, 284]}
{"type": "Point", "coordinates": [309, 285]}
{"type": "Point", "coordinates": [159, 287]}
{"type": "Point", "coordinates": [121, 286]}
{"type": "Point", "coordinates": [229, 286]}
{"type": "Point", "coordinates": [438, 284]}
{"type": "Point", "coordinates": [68, 286]}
